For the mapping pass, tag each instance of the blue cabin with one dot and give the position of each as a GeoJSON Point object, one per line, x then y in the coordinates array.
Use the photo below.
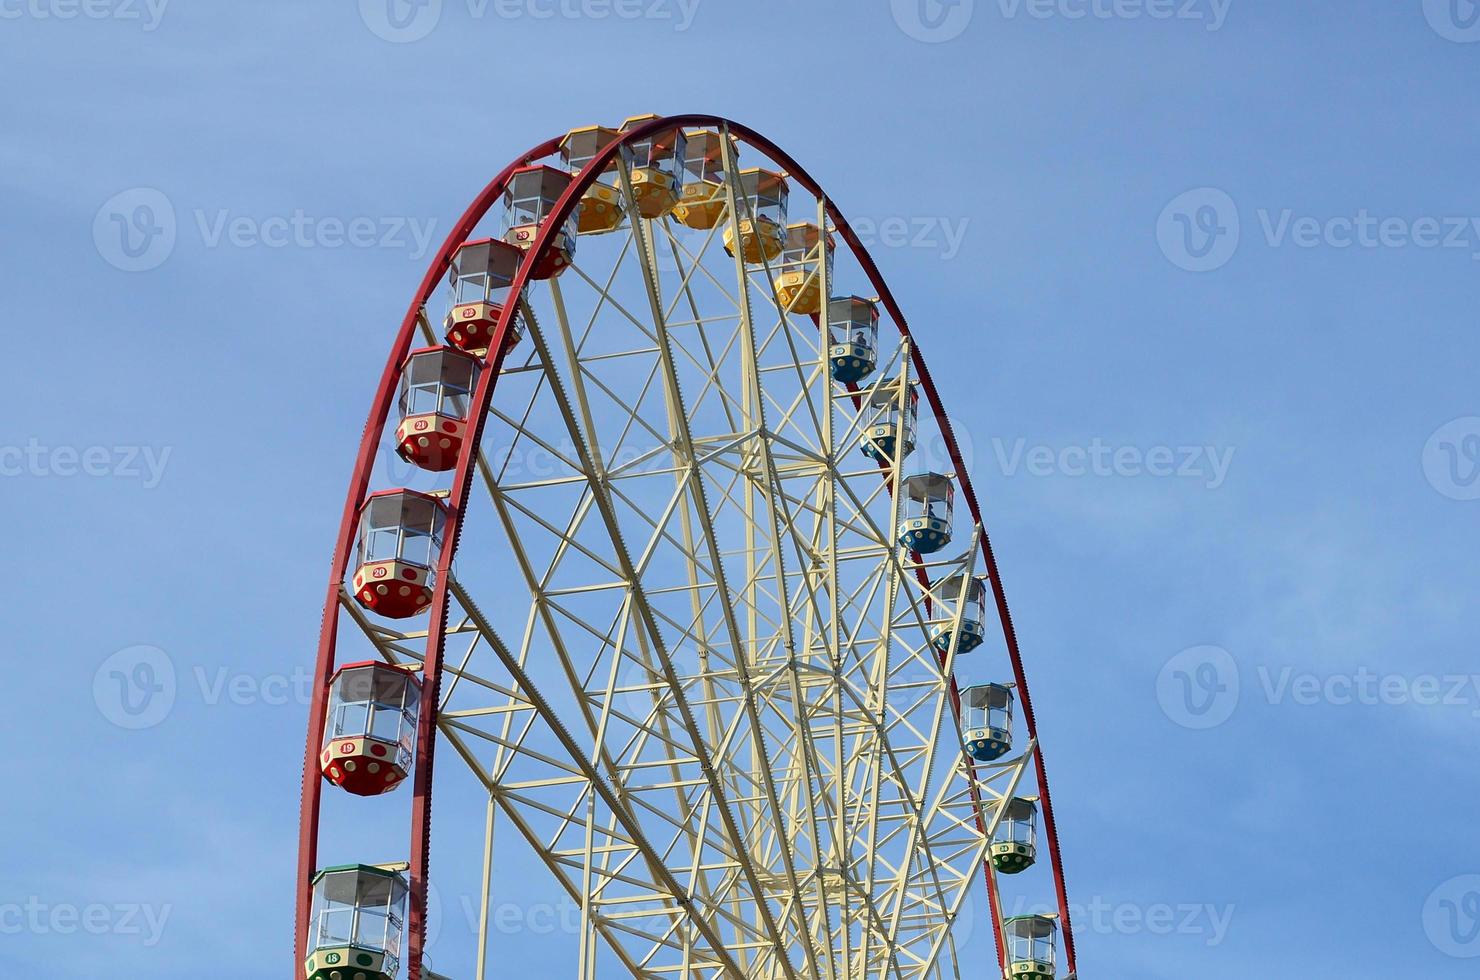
{"type": "Point", "coordinates": [890, 412]}
{"type": "Point", "coordinates": [952, 594]}
{"type": "Point", "coordinates": [854, 333]}
{"type": "Point", "coordinates": [929, 501]}
{"type": "Point", "coordinates": [986, 721]}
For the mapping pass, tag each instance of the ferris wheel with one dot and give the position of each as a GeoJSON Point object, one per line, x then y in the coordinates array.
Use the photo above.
{"type": "Point", "coordinates": [660, 542]}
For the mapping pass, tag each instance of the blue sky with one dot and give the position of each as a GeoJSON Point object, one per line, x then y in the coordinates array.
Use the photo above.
{"type": "Point", "coordinates": [1198, 280]}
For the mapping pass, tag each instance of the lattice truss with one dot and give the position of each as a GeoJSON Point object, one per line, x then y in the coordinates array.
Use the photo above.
{"type": "Point", "coordinates": [705, 692]}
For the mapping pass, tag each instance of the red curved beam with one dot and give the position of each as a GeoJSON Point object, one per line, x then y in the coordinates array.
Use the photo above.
{"type": "Point", "coordinates": [313, 780]}
{"type": "Point", "coordinates": [462, 485]}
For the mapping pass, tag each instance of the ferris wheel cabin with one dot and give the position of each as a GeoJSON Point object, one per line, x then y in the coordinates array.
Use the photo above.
{"type": "Point", "coordinates": [601, 206]}
{"type": "Point", "coordinates": [762, 217]}
{"type": "Point", "coordinates": [370, 733]}
{"type": "Point", "coordinates": [400, 539]}
{"type": "Point", "coordinates": [1031, 942]}
{"type": "Point", "coordinates": [657, 167]}
{"type": "Point", "coordinates": [958, 591]}
{"type": "Point", "coordinates": [701, 203]}
{"type": "Point", "coordinates": [355, 930]}
{"type": "Point", "coordinates": [1015, 846]}
{"type": "Point", "coordinates": [436, 388]}
{"type": "Point", "coordinates": [479, 280]}
{"type": "Point", "coordinates": [986, 721]}
{"type": "Point", "coordinates": [891, 416]}
{"type": "Point", "coordinates": [530, 199]}
{"type": "Point", "coordinates": [854, 323]}
{"type": "Point", "coordinates": [799, 282]}
{"type": "Point", "coordinates": [929, 501]}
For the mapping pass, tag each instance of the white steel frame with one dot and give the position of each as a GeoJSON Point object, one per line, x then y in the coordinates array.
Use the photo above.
{"type": "Point", "coordinates": [720, 723]}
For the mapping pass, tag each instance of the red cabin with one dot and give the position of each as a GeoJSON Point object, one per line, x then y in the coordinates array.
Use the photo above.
{"type": "Point", "coordinates": [480, 276]}
{"type": "Point", "coordinates": [370, 734]}
{"type": "Point", "coordinates": [436, 391]}
{"type": "Point", "coordinates": [400, 540]}
{"type": "Point", "coordinates": [529, 199]}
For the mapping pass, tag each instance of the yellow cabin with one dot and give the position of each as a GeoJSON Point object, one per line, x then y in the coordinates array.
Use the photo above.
{"type": "Point", "coordinates": [799, 284]}
{"type": "Point", "coordinates": [762, 218]}
{"type": "Point", "coordinates": [657, 167]}
{"type": "Point", "coordinates": [702, 202]}
{"type": "Point", "coordinates": [601, 205]}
